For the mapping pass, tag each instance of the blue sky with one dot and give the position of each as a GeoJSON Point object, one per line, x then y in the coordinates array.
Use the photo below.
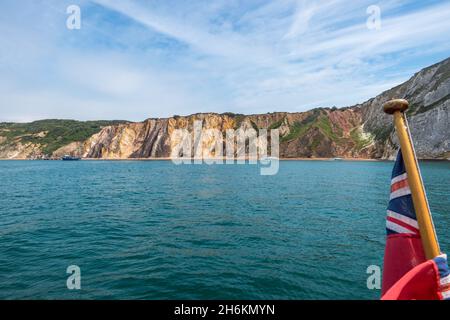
{"type": "Point", "coordinates": [139, 59]}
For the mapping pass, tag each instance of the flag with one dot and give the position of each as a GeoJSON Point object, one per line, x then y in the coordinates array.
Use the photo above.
{"type": "Point", "coordinates": [406, 272]}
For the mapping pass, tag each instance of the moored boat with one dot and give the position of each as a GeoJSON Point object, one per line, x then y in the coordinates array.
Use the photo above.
{"type": "Point", "coordinates": [70, 158]}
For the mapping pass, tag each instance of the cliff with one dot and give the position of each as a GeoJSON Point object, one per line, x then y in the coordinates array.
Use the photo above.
{"type": "Point", "coordinates": [428, 93]}
{"type": "Point", "coordinates": [46, 137]}
{"type": "Point", "coordinates": [361, 131]}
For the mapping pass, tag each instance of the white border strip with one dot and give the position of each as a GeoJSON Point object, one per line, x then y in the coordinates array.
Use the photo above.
{"type": "Point", "coordinates": [399, 178]}
{"type": "Point", "coordinates": [445, 280]}
{"type": "Point", "coordinates": [402, 218]}
{"type": "Point", "coordinates": [397, 228]}
{"type": "Point", "coordinates": [400, 193]}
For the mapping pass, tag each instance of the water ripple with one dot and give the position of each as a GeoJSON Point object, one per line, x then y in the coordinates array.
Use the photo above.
{"type": "Point", "coordinates": [152, 230]}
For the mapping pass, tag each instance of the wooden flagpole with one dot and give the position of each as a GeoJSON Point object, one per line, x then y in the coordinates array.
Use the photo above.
{"type": "Point", "coordinates": [430, 243]}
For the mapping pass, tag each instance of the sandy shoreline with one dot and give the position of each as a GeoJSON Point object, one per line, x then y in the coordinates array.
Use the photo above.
{"type": "Point", "coordinates": [170, 159]}
{"type": "Point", "coordinates": [281, 159]}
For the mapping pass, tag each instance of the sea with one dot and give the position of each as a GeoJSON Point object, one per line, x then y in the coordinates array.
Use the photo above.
{"type": "Point", "coordinates": [155, 230]}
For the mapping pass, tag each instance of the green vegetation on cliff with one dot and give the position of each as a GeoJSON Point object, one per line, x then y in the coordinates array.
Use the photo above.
{"type": "Point", "coordinates": [299, 128]}
{"type": "Point", "coordinates": [360, 141]}
{"type": "Point", "coordinates": [276, 124]}
{"type": "Point", "coordinates": [316, 120]}
{"type": "Point", "coordinates": [51, 134]}
{"type": "Point", "coordinates": [324, 124]}
{"type": "Point", "coordinates": [296, 130]}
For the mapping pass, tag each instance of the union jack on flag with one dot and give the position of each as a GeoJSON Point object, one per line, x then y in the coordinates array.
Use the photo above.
{"type": "Point", "coordinates": [401, 217]}
{"type": "Point", "coordinates": [407, 274]}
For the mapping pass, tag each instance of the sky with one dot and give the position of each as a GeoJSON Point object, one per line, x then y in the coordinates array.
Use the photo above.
{"type": "Point", "coordinates": [139, 59]}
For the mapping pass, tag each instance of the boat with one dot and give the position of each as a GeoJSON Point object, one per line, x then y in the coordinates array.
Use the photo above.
{"type": "Point", "coordinates": [70, 158]}
{"type": "Point", "coordinates": [338, 159]}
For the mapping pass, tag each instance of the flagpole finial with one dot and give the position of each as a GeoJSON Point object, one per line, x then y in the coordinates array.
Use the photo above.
{"type": "Point", "coordinates": [395, 105]}
{"type": "Point", "coordinates": [426, 228]}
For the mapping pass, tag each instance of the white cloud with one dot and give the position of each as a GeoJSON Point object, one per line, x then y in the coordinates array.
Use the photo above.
{"type": "Point", "coordinates": [169, 57]}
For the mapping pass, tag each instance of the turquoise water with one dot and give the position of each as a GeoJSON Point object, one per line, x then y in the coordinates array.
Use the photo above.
{"type": "Point", "coordinates": [153, 230]}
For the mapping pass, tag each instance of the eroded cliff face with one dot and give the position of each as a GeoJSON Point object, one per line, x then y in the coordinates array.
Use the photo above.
{"type": "Point", "coordinates": [428, 93]}
{"type": "Point", "coordinates": [317, 133]}
{"type": "Point", "coordinates": [20, 150]}
{"type": "Point", "coordinates": [361, 131]}
{"type": "Point", "coordinates": [149, 139]}
{"type": "Point", "coordinates": [44, 138]}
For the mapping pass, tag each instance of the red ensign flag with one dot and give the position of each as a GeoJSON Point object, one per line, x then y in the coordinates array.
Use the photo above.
{"type": "Point", "coordinates": [406, 273]}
